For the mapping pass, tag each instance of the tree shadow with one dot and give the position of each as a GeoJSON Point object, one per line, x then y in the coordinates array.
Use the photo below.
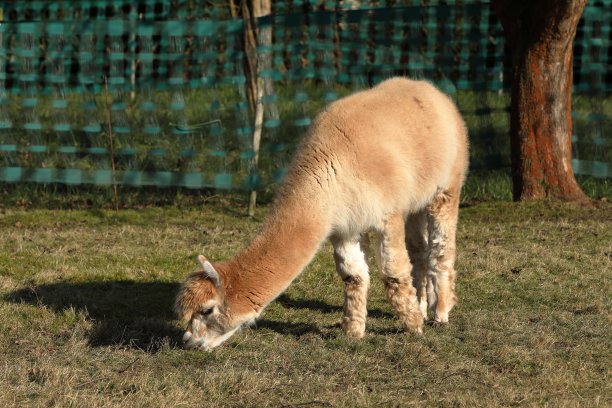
{"type": "Point", "coordinates": [124, 313]}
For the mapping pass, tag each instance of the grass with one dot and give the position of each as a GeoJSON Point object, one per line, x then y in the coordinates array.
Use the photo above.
{"type": "Point", "coordinates": [484, 112]}
{"type": "Point", "coordinates": [85, 316]}
{"type": "Point", "coordinates": [480, 186]}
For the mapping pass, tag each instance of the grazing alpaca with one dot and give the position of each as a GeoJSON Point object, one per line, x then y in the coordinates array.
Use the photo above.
{"type": "Point", "coordinates": [390, 160]}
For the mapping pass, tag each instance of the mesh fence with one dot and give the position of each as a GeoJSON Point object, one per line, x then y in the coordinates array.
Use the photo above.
{"type": "Point", "coordinates": [165, 82]}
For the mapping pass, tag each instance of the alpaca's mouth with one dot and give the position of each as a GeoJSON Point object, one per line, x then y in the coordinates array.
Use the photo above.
{"type": "Point", "coordinates": [189, 342]}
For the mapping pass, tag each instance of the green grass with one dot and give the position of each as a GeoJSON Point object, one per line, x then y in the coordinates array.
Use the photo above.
{"type": "Point", "coordinates": [480, 186]}
{"type": "Point", "coordinates": [484, 113]}
{"type": "Point", "coordinates": [85, 316]}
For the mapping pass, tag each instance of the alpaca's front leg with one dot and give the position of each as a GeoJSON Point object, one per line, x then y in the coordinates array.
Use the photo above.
{"type": "Point", "coordinates": [396, 269]}
{"type": "Point", "coordinates": [353, 269]}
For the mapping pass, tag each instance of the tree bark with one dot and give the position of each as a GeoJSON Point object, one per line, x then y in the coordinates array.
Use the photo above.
{"type": "Point", "coordinates": [540, 34]}
{"type": "Point", "coordinates": [251, 10]}
{"type": "Point", "coordinates": [248, 9]}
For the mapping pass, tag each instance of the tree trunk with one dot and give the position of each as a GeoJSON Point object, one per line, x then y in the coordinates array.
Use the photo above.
{"type": "Point", "coordinates": [251, 10]}
{"type": "Point", "coordinates": [248, 9]}
{"type": "Point", "coordinates": [540, 34]}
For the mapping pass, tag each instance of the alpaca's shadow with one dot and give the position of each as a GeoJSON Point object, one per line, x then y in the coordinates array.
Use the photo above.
{"type": "Point", "coordinates": [287, 328]}
{"type": "Point", "coordinates": [326, 332]}
{"type": "Point", "coordinates": [124, 313]}
{"type": "Point", "coordinates": [323, 307]}
{"type": "Point", "coordinates": [139, 314]}
{"type": "Point", "coordinates": [301, 329]}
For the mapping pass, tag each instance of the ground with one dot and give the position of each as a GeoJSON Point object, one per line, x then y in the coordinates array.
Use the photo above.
{"type": "Point", "coordinates": [86, 320]}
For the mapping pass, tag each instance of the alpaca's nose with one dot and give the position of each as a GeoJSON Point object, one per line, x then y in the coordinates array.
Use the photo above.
{"type": "Point", "coordinates": [190, 343]}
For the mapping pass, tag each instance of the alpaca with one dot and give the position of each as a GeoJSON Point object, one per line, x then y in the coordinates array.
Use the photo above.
{"type": "Point", "coordinates": [390, 160]}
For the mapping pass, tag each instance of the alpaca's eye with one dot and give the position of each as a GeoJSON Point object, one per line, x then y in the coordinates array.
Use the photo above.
{"type": "Point", "coordinates": [207, 312]}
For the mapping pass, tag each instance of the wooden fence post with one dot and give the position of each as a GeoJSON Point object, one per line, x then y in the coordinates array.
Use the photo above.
{"type": "Point", "coordinates": [251, 10]}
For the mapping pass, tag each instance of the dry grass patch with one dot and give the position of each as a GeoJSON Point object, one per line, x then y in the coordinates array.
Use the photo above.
{"type": "Point", "coordinates": [85, 317]}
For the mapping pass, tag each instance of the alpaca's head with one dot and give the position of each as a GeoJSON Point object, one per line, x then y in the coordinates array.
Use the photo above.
{"type": "Point", "coordinates": [200, 304]}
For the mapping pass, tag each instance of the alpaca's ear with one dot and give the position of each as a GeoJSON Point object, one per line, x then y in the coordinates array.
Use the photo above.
{"type": "Point", "coordinates": [209, 270]}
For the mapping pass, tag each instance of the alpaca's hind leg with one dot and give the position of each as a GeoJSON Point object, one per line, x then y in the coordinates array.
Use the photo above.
{"type": "Point", "coordinates": [353, 269]}
{"type": "Point", "coordinates": [416, 242]}
{"type": "Point", "coordinates": [442, 227]}
{"type": "Point", "coordinates": [396, 269]}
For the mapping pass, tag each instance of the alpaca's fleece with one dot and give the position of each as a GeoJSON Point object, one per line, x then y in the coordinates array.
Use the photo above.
{"type": "Point", "coordinates": [390, 160]}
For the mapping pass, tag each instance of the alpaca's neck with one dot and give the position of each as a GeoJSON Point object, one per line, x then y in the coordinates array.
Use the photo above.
{"type": "Point", "coordinates": [288, 241]}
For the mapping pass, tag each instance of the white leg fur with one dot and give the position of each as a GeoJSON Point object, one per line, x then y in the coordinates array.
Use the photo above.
{"type": "Point", "coordinates": [353, 269]}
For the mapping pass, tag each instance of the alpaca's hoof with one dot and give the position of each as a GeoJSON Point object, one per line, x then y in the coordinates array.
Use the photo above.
{"type": "Point", "coordinates": [434, 323]}
{"type": "Point", "coordinates": [414, 322]}
{"type": "Point", "coordinates": [353, 329]}
{"type": "Point", "coordinates": [441, 318]}
{"type": "Point", "coordinates": [418, 330]}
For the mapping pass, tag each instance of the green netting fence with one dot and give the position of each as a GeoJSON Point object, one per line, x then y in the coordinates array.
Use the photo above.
{"type": "Point", "coordinates": [171, 77]}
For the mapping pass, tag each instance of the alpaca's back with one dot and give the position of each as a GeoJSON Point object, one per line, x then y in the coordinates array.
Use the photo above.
{"type": "Point", "coordinates": [387, 149]}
